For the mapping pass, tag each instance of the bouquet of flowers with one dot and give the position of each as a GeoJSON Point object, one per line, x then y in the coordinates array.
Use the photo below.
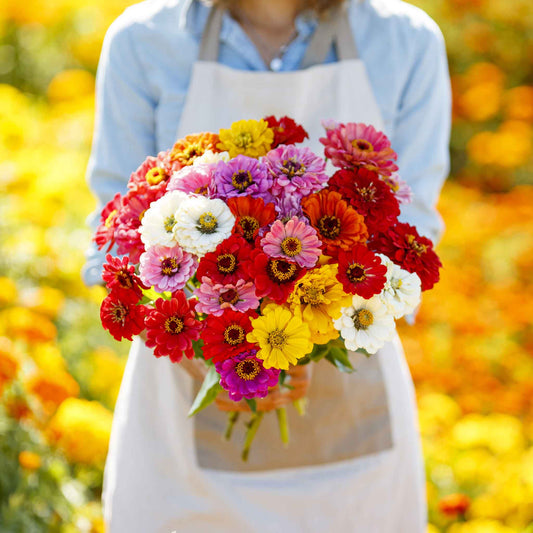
{"type": "Point", "coordinates": [241, 250]}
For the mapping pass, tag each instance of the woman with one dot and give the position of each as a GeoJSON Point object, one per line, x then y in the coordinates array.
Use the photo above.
{"type": "Point", "coordinates": [173, 67]}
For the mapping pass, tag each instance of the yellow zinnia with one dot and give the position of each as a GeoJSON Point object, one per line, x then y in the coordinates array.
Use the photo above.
{"type": "Point", "coordinates": [282, 337]}
{"type": "Point", "coordinates": [317, 300]}
{"type": "Point", "coordinates": [247, 137]}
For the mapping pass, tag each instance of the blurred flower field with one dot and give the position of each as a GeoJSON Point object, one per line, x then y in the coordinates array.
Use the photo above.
{"type": "Point", "coordinates": [470, 352]}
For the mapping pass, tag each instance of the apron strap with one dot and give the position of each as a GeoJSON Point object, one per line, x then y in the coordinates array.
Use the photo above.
{"type": "Point", "coordinates": [333, 30]}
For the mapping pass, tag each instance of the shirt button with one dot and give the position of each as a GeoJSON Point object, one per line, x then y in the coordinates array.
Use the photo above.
{"type": "Point", "coordinates": [276, 64]}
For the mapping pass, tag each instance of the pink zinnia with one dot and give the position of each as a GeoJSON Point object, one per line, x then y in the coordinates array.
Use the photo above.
{"type": "Point", "coordinates": [213, 297]}
{"type": "Point", "coordinates": [400, 188]}
{"type": "Point", "coordinates": [294, 241]}
{"type": "Point", "coordinates": [166, 268]}
{"type": "Point", "coordinates": [359, 145]}
{"type": "Point", "coordinates": [192, 179]}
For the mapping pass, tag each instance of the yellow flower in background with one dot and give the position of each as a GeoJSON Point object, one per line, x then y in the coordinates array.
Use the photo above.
{"type": "Point", "coordinates": [482, 101]}
{"type": "Point", "coordinates": [108, 369]}
{"type": "Point", "coordinates": [9, 362]}
{"type": "Point", "coordinates": [247, 137]}
{"type": "Point", "coordinates": [282, 337]}
{"type": "Point", "coordinates": [47, 357]}
{"type": "Point", "coordinates": [81, 429]}
{"type": "Point", "coordinates": [70, 84]}
{"type": "Point", "coordinates": [317, 299]}
{"type": "Point", "coordinates": [52, 388]}
{"type": "Point", "coordinates": [45, 300]}
{"type": "Point", "coordinates": [480, 526]}
{"type": "Point", "coordinates": [519, 103]}
{"type": "Point", "coordinates": [29, 460]}
{"type": "Point", "coordinates": [8, 291]}
{"type": "Point", "coordinates": [19, 322]}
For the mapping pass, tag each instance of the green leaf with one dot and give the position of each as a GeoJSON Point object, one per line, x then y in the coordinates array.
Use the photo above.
{"type": "Point", "coordinates": [339, 358]}
{"type": "Point", "coordinates": [207, 393]}
{"type": "Point", "coordinates": [252, 404]}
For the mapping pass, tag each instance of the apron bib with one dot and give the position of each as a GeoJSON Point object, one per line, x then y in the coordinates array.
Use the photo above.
{"type": "Point", "coordinates": [348, 414]}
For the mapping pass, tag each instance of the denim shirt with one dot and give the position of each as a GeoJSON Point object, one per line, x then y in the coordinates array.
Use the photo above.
{"type": "Point", "coordinates": [145, 70]}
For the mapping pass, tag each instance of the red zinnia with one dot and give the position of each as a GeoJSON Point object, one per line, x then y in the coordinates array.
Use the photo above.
{"type": "Point", "coordinates": [414, 253]}
{"type": "Point", "coordinates": [228, 263]}
{"type": "Point", "coordinates": [274, 277]}
{"type": "Point", "coordinates": [252, 214]}
{"type": "Point", "coordinates": [225, 336]}
{"type": "Point", "coordinates": [369, 196]}
{"type": "Point", "coordinates": [171, 327]}
{"type": "Point", "coordinates": [122, 319]}
{"type": "Point", "coordinates": [454, 504]}
{"type": "Point", "coordinates": [106, 230]}
{"type": "Point", "coordinates": [361, 271]}
{"type": "Point", "coordinates": [121, 279]}
{"type": "Point", "coordinates": [286, 131]}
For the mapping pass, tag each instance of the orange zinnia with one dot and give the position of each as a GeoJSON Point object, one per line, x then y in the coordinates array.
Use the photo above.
{"type": "Point", "coordinates": [187, 150]}
{"type": "Point", "coordinates": [251, 215]}
{"type": "Point", "coordinates": [339, 226]}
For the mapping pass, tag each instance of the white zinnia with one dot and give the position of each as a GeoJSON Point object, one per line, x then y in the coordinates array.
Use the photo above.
{"type": "Point", "coordinates": [202, 224]}
{"type": "Point", "coordinates": [209, 158]}
{"type": "Point", "coordinates": [157, 225]}
{"type": "Point", "coordinates": [402, 291]}
{"type": "Point", "coordinates": [365, 324]}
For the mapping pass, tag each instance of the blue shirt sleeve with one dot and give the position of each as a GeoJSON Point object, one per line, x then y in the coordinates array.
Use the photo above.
{"type": "Point", "coordinates": [124, 129]}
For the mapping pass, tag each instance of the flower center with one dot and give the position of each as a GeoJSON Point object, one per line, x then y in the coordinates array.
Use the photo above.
{"type": "Point", "coordinates": [226, 263]}
{"type": "Point", "coordinates": [169, 266]}
{"type": "Point", "coordinates": [231, 296]}
{"type": "Point", "coordinates": [234, 334]}
{"type": "Point", "coordinates": [169, 223]}
{"type": "Point", "coordinates": [249, 226]}
{"type": "Point", "coordinates": [363, 318]}
{"type": "Point", "coordinates": [242, 180]}
{"type": "Point", "coordinates": [124, 278]}
{"type": "Point", "coordinates": [312, 295]}
{"type": "Point", "coordinates": [243, 139]}
{"type": "Point", "coordinates": [277, 339]}
{"type": "Point", "coordinates": [119, 313]}
{"type": "Point", "coordinates": [418, 248]}
{"type": "Point", "coordinates": [363, 145]}
{"type": "Point", "coordinates": [280, 270]}
{"type": "Point", "coordinates": [192, 152]}
{"type": "Point", "coordinates": [248, 369]}
{"type": "Point", "coordinates": [368, 193]}
{"type": "Point", "coordinates": [356, 273]}
{"type": "Point", "coordinates": [201, 190]}
{"type": "Point", "coordinates": [329, 226]}
{"type": "Point", "coordinates": [174, 325]}
{"type": "Point", "coordinates": [291, 246]}
{"type": "Point", "coordinates": [292, 167]}
{"type": "Point", "coordinates": [109, 220]}
{"type": "Point", "coordinates": [155, 175]}
{"type": "Point", "coordinates": [207, 223]}
{"type": "Point", "coordinates": [141, 215]}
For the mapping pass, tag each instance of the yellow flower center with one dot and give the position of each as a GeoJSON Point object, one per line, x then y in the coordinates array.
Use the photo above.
{"type": "Point", "coordinates": [312, 295]}
{"type": "Point", "coordinates": [242, 179]}
{"type": "Point", "coordinates": [142, 215]}
{"type": "Point", "coordinates": [109, 220]}
{"type": "Point", "coordinates": [356, 273]}
{"type": "Point", "coordinates": [292, 167]}
{"type": "Point", "coordinates": [243, 139]}
{"type": "Point", "coordinates": [174, 325]}
{"type": "Point", "coordinates": [169, 266]}
{"type": "Point", "coordinates": [234, 334]}
{"type": "Point", "coordinates": [277, 339]}
{"type": "Point", "coordinates": [280, 271]}
{"type": "Point", "coordinates": [226, 263]}
{"type": "Point", "coordinates": [124, 278]}
{"type": "Point", "coordinates": [363, 318]}
{"type": "Point", "coordinates": [192, 152]}
{"type": "Point", "coordinates": [155, 175]}
{"type": "Point", "coordinates": [418, 248]}
{"type": "Point", "coordinates": [363, 145]}
{"type": "Point", "coordinates": [249, 226]}
{"type": "Point", "coordinates": [247, 369]}
{"type": "Point", "coordinates": [291, 246]}
{"type": "Point", "coordinates": [169, 223]}
{"type": "Point", "coordinates": [207, 223]}
{"type": "Point", "coordinates": [329, 226]}
{"type": "Point", "coordinates": [368, 193]}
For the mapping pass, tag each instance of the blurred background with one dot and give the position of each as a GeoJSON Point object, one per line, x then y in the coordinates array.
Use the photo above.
{"type": "Point", "coordinates": [470, 352]}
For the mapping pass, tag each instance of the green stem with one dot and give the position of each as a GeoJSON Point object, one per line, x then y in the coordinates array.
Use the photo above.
{"type": "Point", "coordinates": [301, 406]}
{"type": "Point", "coordinates": [253, 426]}
{"type": "Point", "coordinates": [283, 425]}
{"type": "Point", "coordinates": [232, 418]}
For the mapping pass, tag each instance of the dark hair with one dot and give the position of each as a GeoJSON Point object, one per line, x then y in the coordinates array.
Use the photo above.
{"type": "Point", "coordinates": [320, 6]}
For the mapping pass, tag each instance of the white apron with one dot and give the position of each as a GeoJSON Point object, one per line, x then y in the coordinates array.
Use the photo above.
{"type": "Point", "coordinates": [354, 461]}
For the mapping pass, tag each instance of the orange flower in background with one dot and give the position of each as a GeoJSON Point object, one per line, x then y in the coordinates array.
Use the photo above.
{"type": "Point", "coordinates": [52, 388]}
{"type": "Point", "coordinates": [186, 151]}
{"type": "Point", "coordinates": [20, 322]}
{"type": "Point", "coordinates": [9, 362]}
{"type": "Point", "coordinates": [454, 504]}
{"type": "Point", "coordinates": [29, 460]}
{"type": "Point", "coordinates": [519, 103]}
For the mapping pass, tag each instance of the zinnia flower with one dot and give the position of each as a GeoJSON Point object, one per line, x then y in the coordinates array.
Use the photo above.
{"type": "Point", "coordinates": [399, 188]}
{"type": "Point", "coordinates": [121, 278]}
{"type": "Point", "coordinates": [122, 319]}
{"type": "Point", "coordinates": [241, 175]}
{"type": "Point", "coordinates": [402, 290]}
{"type": "Point", "coordinates": [369, 196]}
{"type": "Point", "coordinates": [365, 324]}
{"type": "Point", "coordinates": [247, 137]}
{"type": "Point", "coordinates": [202, 224]}
{"type": "Point", "coordinates": [317, 299]}
{"type": "Point", "coordinates": [338, 225]}
{"type": "Point", "coordinates": [186, 151]}
{"type": "Point", "coordinates": [105, 233]}
{"type": "Point", "coordinates": [361, 271]}
{"type": "Point", "coordinates": [167, 268]}
{"type": "Point", "coordinates": [414, 253]}
{"type": "Point", "coordinates": [214, 298]}
{"type": "Point", "coordinates": [286, 131]}
{"type": "Point", "coordinates": [282, 337]}
{"type": "Point", "coordinates": [194, 179]}
{"type": "Point", "coordinates": [244, 376]}
{"type": "Point", "coordinates": [171, 327]}
{"type": "Point", "coordinates": [149, 174]}
{"type": "Point", "coordinates": [224, 336]}
{"type": "Point", "coordinates": [252, 215]}
{"type": "Point", "coordinates": [359, 145]}
{"type": "Point", "coordinates": [211, 158]}
{"type": "Point", "coordinates": [295, 170]}
{"type": "Point", "coordinates": [294, 241]}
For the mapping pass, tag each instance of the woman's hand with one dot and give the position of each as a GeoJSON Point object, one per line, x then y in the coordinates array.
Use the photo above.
{"type": "Point", "coordinates": [298, 377]}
